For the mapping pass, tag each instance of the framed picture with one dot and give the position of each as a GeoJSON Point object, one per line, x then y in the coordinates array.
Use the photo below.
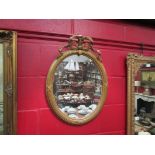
{"type": "Point", "coordinates": [148, 78]}
{"type": "Point", "coordinates": [148, 75]}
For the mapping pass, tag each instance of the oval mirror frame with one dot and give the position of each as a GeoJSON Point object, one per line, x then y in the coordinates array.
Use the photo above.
{"type": "Point", "coordinates": [50, 83]}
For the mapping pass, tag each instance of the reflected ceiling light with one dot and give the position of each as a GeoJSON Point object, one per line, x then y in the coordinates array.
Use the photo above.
{"type": "Point", "coordinates": [148, 65]}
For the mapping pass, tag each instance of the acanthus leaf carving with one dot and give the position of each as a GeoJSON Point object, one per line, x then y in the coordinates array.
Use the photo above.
{"type": "Point", "coordinates": [9, 90]}
{"type": "Point", "coordinates": [6, 36]}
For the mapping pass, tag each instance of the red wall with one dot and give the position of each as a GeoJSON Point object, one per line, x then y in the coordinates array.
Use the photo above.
{"type": "Point", "coordinates": [38, 43]}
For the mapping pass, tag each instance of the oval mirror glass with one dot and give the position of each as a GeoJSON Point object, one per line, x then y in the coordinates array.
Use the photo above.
{"type": "Point", "coordinates": [77, 86]}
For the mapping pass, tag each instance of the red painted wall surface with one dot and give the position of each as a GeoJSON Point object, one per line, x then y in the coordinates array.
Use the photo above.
{"type": "Point", "coordinates": [38, 43]}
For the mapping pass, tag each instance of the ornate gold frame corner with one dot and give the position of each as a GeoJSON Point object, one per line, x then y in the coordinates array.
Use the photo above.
{"type": "Point", "coordinates": [50, 79]}
{"type": "Point", "coordinates": [134, 61]}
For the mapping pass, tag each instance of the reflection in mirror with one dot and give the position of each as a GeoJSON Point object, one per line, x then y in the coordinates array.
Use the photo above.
{"type": "Point", "coordinates": [1, 89]}
{"type": "Point", "coordinates": [77, 86]}
{"type": "Point", "coordinates": [144, 115]}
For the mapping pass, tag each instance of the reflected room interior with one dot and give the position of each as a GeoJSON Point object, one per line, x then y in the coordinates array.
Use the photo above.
{"type": "Point", "coordinates": [77, 86]}
{"type": "Point", "coordinates": [144, 110]}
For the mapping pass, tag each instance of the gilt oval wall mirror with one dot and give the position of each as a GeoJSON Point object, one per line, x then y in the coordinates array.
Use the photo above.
{"type": "Point", "coordinates": [76, 85]}
{"type": "Point", "coordinates": [141, 95]}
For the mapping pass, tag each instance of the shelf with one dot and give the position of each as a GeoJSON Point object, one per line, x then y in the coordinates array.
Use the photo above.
{"type": "Point", "coordinates": [74, 103]}
{"type": "Point", "coordinates": [93, 73]}
{"type": "Point", "coordinates": [69, 91]}
{"type": "Point", "coordinates": [93, 78]}
{"type": "Point", "coordinates": [63, 84]}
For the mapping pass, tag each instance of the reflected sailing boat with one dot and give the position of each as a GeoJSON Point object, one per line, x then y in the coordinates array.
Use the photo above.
{"type": "Point", "coordinates": [72, 66]}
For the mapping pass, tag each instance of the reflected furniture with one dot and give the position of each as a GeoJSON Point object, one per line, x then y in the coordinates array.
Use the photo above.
{"type": "Point", "coordinates": [140, 94]}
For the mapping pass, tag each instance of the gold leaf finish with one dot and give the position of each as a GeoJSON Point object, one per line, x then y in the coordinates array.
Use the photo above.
{"type": "Point", "coordinates": [9, 41]}
{"type": "Point", "coordinates": [50, 80]}
{"type": "Point", "coordinates": [134, 62]}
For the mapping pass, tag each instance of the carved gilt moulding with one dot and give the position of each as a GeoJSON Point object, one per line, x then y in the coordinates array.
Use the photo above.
{"type": "Point", "coordinates": [134, 62]}
{"type": "Point", "coordinates": [77, 46]}
{"type": "Point", "coordinates": [9, 41]}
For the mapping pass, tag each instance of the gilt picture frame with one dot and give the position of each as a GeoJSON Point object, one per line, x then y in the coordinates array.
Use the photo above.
{"type": "Point", "coordinates": [134, 63]}
{"type": "Point", "coordinates": [8, 39]}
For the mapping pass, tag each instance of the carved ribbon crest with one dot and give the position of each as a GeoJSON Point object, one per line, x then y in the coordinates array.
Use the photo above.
{"type": "Point", "coordinates": [79, 42]}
